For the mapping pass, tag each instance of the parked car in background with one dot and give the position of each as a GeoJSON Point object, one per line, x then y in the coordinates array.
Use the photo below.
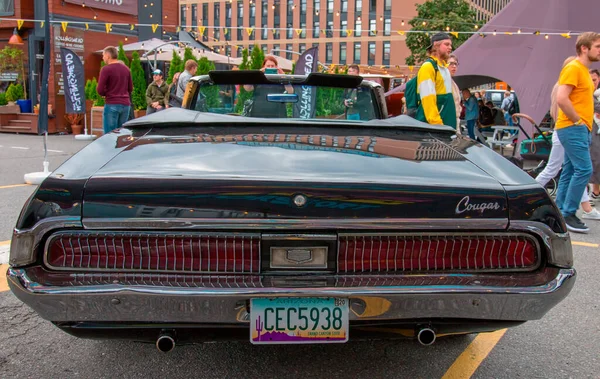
{"type": "Point", "coordinates": [308, 227]}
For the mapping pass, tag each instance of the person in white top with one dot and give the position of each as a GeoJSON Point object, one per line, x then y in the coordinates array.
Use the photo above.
{"type": "Point", "coordinates": [452, 67]}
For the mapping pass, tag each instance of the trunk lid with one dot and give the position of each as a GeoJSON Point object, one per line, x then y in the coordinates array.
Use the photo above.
{"type": "Point", "coordinates": [260, 176]}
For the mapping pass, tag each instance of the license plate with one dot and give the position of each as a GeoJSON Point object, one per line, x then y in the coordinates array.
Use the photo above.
{"type": "Point", "coordinates": [298, 320]}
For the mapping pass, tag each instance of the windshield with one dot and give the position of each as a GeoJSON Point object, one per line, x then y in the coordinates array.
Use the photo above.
{"type": "Point", "coordinates": [287, 101]}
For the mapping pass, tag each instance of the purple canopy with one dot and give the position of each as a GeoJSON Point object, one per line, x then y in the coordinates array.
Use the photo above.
{"type": "Point", "coordinates": [529, 63]}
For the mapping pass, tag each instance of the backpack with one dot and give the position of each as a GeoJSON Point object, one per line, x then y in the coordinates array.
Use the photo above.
{"type": "Point", "coordinates": [413, 100]}
{"type": "Point", "coordinates": [513, 107]}
{"type": "Point", "coordinates": [486, 116]}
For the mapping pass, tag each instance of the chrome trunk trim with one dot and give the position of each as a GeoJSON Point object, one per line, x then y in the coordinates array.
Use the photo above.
{"type": "Point", "coordinates": [287, 224]}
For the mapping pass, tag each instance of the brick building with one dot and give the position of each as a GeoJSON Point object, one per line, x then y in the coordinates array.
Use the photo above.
{"type": "Point", "coordinates": [324, 23]}
{"type": "Point", "coordinates": [83, 40]}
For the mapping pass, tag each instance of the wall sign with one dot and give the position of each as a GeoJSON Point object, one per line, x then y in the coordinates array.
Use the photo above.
{"type": "Point", "coordinates": [121, 6]}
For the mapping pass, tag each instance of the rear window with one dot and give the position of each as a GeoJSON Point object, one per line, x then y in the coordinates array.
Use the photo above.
{"type": "Point", "coordinates": [293, 101]}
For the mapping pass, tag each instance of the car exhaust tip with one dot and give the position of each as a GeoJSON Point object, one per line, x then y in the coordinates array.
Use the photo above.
{"type": "Point", "coordinates": [426, 336]}
{"type": "Point", "coordinates": [165, 343]}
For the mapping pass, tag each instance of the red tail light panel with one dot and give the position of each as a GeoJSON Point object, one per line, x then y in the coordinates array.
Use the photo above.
{"type": "Point", "coordinates": [160, 252]}
{"type": "Point", "coordinates": [437, 252]}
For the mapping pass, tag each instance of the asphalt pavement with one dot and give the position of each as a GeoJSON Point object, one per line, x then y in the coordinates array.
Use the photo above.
{"type": "Point", "coordinates": [564, 344]}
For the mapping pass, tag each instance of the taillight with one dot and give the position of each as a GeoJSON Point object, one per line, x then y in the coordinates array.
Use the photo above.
{"type": "Point", "coordinates": [368, 253]}
{"type": "Point", "coordinates": [227, 253]}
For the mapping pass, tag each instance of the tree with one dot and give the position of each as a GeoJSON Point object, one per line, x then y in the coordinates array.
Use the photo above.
{"type": "Point", "coordinates": [451, 15]}
{"type": "Point", "coordinates": [139, 82]}
{"type": "Point", "coordinates": [245, 63]}
{"type": "Point", "coordinates": [204, 66]}
{"type": "Point", "coordinates": [121, 56]}
{"type": "Point", "coordinates": [257, 57]}
{"type": "Point", "coordinates": [188, 54]}
{"type": "Point", "coordinates": [176, 65]}
{"type": "Point", "coordinates": [244, 95]}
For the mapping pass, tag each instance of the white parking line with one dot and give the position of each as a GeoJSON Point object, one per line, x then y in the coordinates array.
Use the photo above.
{"type": "Point", "coordinates": [19, 147]}
{"type": "Point", "coordinates": [55, 151]}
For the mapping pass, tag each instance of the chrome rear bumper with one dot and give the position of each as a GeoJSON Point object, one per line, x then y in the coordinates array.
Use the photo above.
{"type": "Point", "coordinates": [123, 302]}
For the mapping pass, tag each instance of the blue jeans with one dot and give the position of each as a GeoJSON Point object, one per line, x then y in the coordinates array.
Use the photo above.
{"type": "Point", "coordinates": [114, 116]}
{"type": "Point", "coordinates": [508, 118]}
{"type": "Point", "coordinates": [471, 128]}
{"type": "Point", "coordinates": [577, 167]}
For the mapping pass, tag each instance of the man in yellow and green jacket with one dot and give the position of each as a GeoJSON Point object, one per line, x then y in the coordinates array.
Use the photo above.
{"type": "Point", "coordinates": [434, 84]}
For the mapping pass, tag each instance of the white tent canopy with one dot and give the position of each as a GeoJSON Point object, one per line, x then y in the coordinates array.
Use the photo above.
{"type": "Point", "coordinates": [167, 56]}
{"type": "Point", "coordinates": [149, 45]}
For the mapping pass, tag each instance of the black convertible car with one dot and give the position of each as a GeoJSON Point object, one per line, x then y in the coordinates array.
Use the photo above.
{"type": "Point", "coordinates": [287, 210]}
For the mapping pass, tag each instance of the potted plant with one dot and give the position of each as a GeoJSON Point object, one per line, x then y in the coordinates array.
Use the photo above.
{"type": "Point", "coordinates": [36, 109]}
{"type": "Point", "coordinates": [74, 119]}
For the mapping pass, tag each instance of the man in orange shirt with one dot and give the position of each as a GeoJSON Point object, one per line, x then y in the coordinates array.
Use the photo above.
{"type": "Point", "coordinates": [573, 127]}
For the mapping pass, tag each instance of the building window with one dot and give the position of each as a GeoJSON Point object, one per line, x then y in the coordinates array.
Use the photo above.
{"type": "Point", "coordinates": [240, 8]}
{"type": "Point", "coordinates": [372, 28]}
{"type": "Point", "coordinates": [342, 53]}
{"type": "Point", "coordinates": [204, 11]}
{"type": "Point", "coordinates": [264, 49]}
{"type": "Point", "coordinates": [265, 10]}
{"type": "Point", "coordinates": [357, 52]}
{"type": "Point", "coordinates": [240, 50]}
{"type": "Point", "coordinates": [388, 5]}
{"type": "Point", "coordinates": [303, 27]}
{"type": "Point", "coordinates": [328, 52]}
{"type": "Point", "coordinates": [344, 5]}
{"type": "Point", "coordinates": [290, 31]}
{"type": "Point", "coordinates": [253, 10]}
{"type": "Point", "coordinates": [316, 29]}
{"type": "Point", "coordinates": [217, 34]}
{"type": "Point", "coordinates": [344, 28]}
{"type": "Point", "coordinates": [372, 51]}
{"type": "Point", "coordinates": [329, 29]}
{"type": "Point", "coordinates": [302, 6]}
{"type": "Point", "coordinates": [317, 6]}
{"type": "Point", "coordinates": [387, 27]}
{"type": "Point", "coordinates": [358, 6]}
{"type": "Point", "coordinates": [290, 9]}
{"type": "Point", "coordinates": [276, 49]}
{"type": "Point", "coordinates": [182, 20]}
{"type": "Point", "coordinates": [302, 48]}
{"type": "Point", "coordinates": [288, 53]}
{"type": "Point", "coordinates": [240, 34]}
{"type": "Point", "coordinates": [265, 31]}
{"type": "Point", "coordinates": [386, 53]}
{"type": "Point", "coordinates": [358, 28]}
{"type": "Point", "coordinates": [217, 12]}
{"type": "Point", "coordinates": [227, 11]}
{"type": "Point", "coordinates": [372, 5]}
{"type": "Point", "coordinates": [329, 6]}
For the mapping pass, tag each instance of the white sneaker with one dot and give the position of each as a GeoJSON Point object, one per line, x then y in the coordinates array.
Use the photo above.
{"type": "Point", "coordinates": [593, 215]}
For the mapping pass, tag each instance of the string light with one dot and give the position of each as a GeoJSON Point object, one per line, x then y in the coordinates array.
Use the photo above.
{"type": "Point", "coordinates": [424, 23]}
{"type": "Point", "coordinates": [447, 28]}
{"type": "Point", "coordinates": [402, 22]}
{"type": "Point", "coordinates": [519, 31]}
{"type": "Point", "coordinates": [546, 36]}
{"type": "Point", "coordinates": [476, 26]}
{"type": "Point", "coordinates": [494, 33]}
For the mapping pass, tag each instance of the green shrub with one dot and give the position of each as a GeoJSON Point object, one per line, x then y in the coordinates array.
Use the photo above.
{"type": "Point", "coordinates": [139, 82]}
{"type": "Point", "coordinates": [15, 92]}
{"type": "Point", "coordinates": [176, 65]}
{"type": "Point", "coordinates": [122, 56]}
{"type": "Point", "coordinates": [3, 100]}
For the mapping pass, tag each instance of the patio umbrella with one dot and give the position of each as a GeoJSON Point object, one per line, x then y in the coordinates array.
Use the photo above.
{"type": "Point", "coordinates": [148, 45]}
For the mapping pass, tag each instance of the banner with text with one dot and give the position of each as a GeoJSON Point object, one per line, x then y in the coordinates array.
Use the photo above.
{"type": "Point", "coordinates": [74, 81]}
{"type": "Point", "coordinates": [307, 63]}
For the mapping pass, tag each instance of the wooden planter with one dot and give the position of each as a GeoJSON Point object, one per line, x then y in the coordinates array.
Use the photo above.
{"type": "Point", "coordinates": [140, 113]}
{"type": "Point", "coordinates": [96, 117]}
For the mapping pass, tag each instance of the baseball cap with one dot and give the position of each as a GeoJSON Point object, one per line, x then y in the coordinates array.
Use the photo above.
{"type": "Point", "coordinates": [438, 37]}
{"type": "Point", "coordinates": [157, 72]}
